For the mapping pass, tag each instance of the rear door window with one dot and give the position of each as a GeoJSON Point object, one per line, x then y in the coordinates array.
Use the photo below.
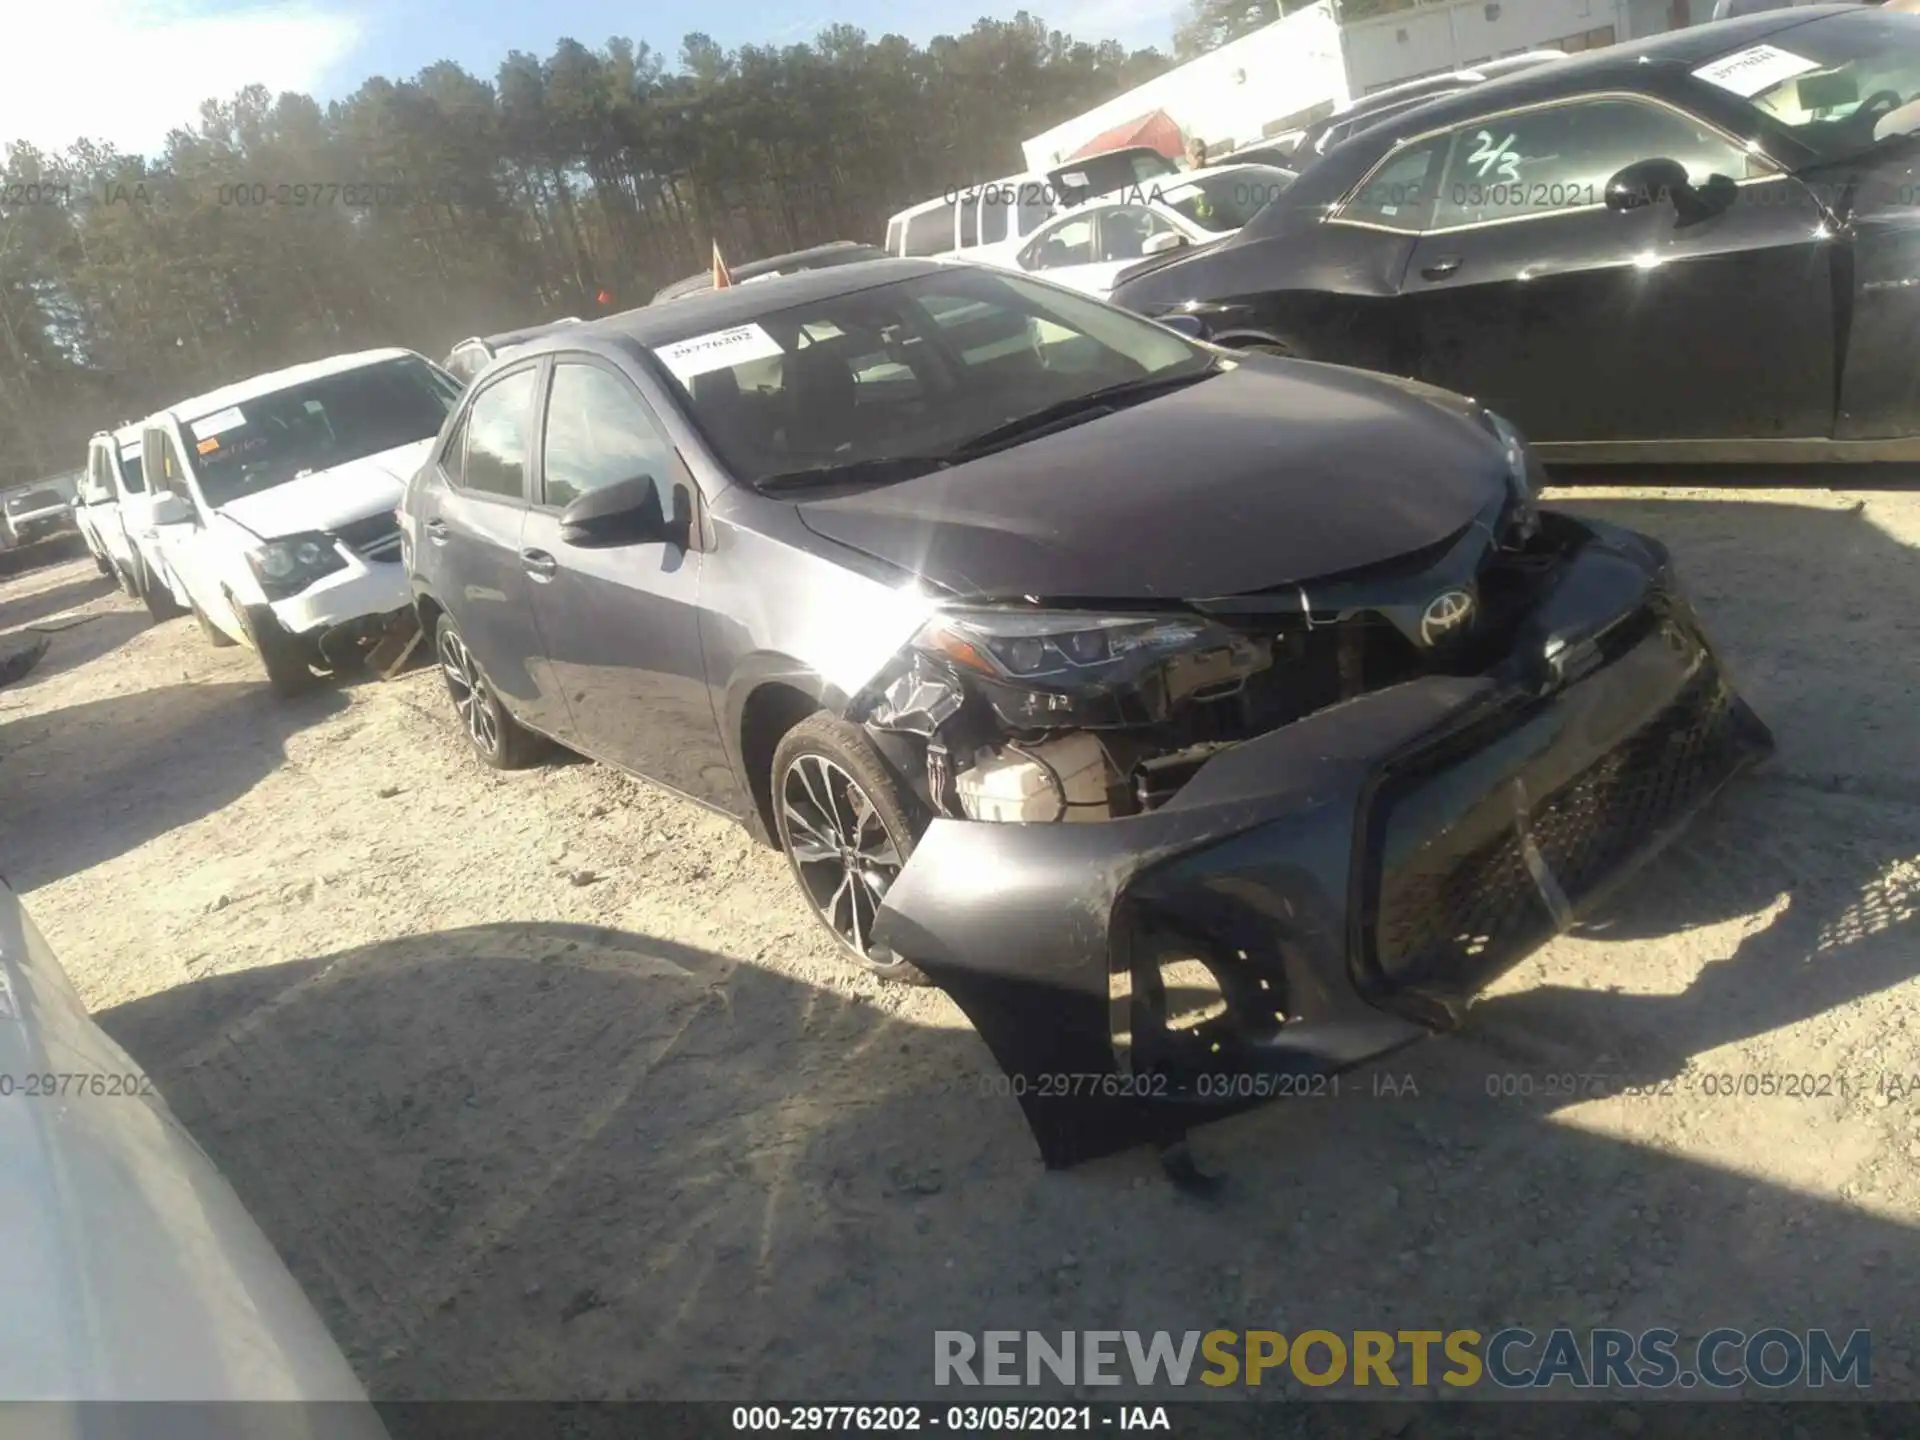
{"type": "Point", "coordinates": [931, 231]}
{"type": "Point", "coordinates": [133, 471]}
{"type": "Point", "coordinates": [497, 429]}
{"type": "Point", "coordinates": [994, 206]}
{"type": "Point", "coordinates": [970, 221]}
{"type": "Point", "coordinates": [1399, 194]}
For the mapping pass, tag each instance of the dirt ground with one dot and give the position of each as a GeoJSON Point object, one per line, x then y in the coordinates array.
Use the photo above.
{"type": "Point", "coordinates": [545, 1085]}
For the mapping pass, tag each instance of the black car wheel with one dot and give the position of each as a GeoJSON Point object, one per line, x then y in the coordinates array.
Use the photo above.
{"type": "Point", "coordinates": [100, 564]}
{"type": "Point", "coordinates": [287, 661]}
{"type": "Point", "coordinates": [495, 735]}
{"type": "Point", "coordinates": [154, 593]}
{"type": "Point", "coordinates": [847, 832]}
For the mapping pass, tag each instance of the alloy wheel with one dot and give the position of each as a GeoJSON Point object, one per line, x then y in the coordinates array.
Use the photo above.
{"type": "Point", "coordinates": [469, 691]}
{"type": "Point", "coordinates": [841, 850]}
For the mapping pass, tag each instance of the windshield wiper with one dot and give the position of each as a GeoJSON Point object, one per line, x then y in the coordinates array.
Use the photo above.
{"type": "Point", "coordinates": [882, 470]}
{"type": "Point", "coordinates": [1088, 406]}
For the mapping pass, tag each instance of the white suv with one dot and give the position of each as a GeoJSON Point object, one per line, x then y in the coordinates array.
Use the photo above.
{"type": "Point", "coordinates": [273, 504]}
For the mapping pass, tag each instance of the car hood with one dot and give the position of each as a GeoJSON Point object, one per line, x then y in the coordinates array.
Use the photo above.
{"type": "Point", "coordinates": [1276, 472]}
{"type": "Point", "coordinates": [328, 498]}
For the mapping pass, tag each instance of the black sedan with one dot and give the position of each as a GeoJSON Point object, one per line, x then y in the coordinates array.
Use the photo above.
{"type": "Point", "coordinates": [1200, 723]}
{"type": "Point", "coordinates": [1704, 246]}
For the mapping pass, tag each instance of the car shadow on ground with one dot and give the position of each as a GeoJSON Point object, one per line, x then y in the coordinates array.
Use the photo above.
{"type": "Point", "coordinates": [28, 558]}
{"type": "Point", "coordinates": [550, 1161]}
{"type": "Point", "coordinates": [29, 606]}
{"type": "Point", "coordinates": [554, 1161]}
{"type": "Point", "coordinates": [136, 766]}
{"type": "Point", "coordinates": [77, 641]}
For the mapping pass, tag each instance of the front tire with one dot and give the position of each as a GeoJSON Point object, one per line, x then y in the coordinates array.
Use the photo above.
{"type": "Point", "coordinates": [848, 830]}
{"type": "Point", "coordinates": [282, 655]}
{"type": "Point", "coordinates": [497, 738]}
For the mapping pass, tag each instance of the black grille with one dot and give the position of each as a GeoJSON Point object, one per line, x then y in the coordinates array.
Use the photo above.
{"type": "Point", "coordinates": [375, 538]}
{"type": "Point", "coordinates": [1474, 914]}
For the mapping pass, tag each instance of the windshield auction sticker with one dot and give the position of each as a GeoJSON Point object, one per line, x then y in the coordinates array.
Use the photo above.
{"type": "Point", "coordinates": [227, 419]}
{"type": "Point", "coordinates": [721, 350]}
{"type": "Point", "coordinates": [1747, 72]}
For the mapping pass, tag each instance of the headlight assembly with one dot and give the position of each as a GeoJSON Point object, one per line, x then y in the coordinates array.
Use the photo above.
{"type": "Point", "coordinates": [288, 565]}
{"type": "Point", "coordinates": [1051, 645]}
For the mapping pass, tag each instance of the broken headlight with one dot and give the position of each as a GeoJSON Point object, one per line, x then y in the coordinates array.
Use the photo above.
{"type": "Point", "coordinates": [1065, 669]}
{"type": "Point", "coordinates": [1524, 477]}
{"type": "Point", "coordinates": [289, 565]}
{"type": "Point", "coordinates": [1052, 645]}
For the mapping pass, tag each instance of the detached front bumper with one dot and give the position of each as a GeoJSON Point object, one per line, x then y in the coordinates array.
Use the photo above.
{"type": "Point", "coordinates": [348, 609]}
{"type": "Point", "coordinates": [1349, 882]}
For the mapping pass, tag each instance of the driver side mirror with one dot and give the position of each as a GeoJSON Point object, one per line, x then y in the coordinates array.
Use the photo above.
{"type": "Point", "coordinates": [1648, 182]}
{"type": "Point", "coordinates": [172, 508]}
{"type": "Point", "coordinates": [1163, 242]}
{"type": "Point", "coordinates": [628, 512]}
{"type": "Point", "coordinates": [1191, 326]}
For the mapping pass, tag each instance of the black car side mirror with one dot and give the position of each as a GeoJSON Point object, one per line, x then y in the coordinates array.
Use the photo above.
{"type": "Point", "coordinates": [625, 513]}
{"type": "Point", "coordinates": [1648, 182]}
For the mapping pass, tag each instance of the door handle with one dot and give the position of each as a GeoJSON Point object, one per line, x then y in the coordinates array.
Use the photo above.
{"type": "Point", "coordinates": [436, 531]}
{"type": "Point", "coordinates": [1441, 268]}
{"type": "Point", "coordinates": [540, 565]}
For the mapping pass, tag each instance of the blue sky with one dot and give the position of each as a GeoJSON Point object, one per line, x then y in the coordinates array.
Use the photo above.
{"type": "Point", "coordinates": [151, 62]}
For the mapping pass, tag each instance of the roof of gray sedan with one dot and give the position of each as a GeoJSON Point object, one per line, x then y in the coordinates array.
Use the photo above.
{"type": "Point", "coordinates": [653, 326]}
{"type": "Point", "coordinates": [1688, 48]}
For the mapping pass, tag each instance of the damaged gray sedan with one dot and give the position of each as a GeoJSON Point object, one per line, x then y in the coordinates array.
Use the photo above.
{"type": "Point", "coordinates": [1196, 721]}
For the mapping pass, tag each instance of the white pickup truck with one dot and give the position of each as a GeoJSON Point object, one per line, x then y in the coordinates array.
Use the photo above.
{"type": "Point", "coordinates": [131, 1271]}
{"type": "Point", "coordinates": [96, 511]}
{"type": "Point", "coordinates": [273, 505]}
{"type": "Point", "coordinates": [113, 458]}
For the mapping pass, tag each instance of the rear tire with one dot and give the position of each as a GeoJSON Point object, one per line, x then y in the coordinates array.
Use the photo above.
{"type": "Point", "coordinates": [847, 830]}
{"type": "Point", "coordinates": [154, 594]}
{"type": "Point", "coordinates": [496, 737]}
{"type": "Point", "coordinates": [282, 656]}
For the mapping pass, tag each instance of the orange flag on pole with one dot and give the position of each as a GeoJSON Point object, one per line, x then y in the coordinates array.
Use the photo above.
{"type": "Point", "coordinates": [721, 278]}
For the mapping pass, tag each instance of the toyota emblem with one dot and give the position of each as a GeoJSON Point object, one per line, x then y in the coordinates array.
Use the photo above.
{"type": "Point", "coordinates": [1446, 617]}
